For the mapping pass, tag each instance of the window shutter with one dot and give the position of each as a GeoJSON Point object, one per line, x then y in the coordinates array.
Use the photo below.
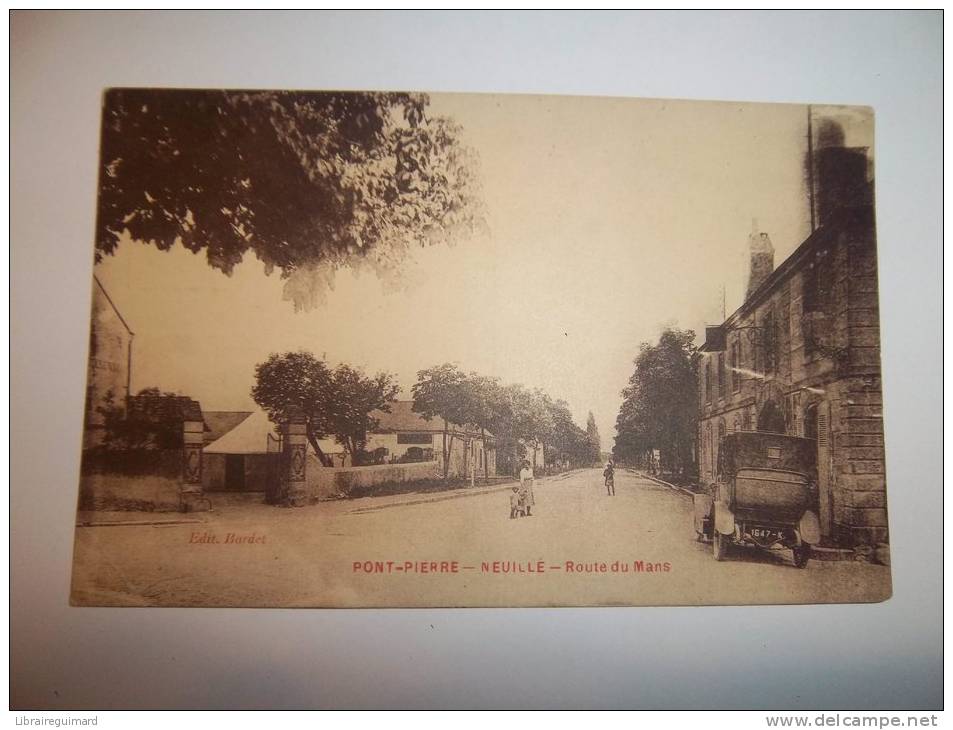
{"type": "Point", "coordinates": [822, 430]}
{"type": "Point", "coordinates": [825, 467]}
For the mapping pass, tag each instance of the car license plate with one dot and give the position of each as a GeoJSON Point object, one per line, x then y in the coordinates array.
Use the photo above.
{"type": "Point", "coordinates": [765, 533]}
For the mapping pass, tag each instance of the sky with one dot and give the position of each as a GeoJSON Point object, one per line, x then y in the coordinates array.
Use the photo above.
{"type": "Point", "coordinates": [607, 220]}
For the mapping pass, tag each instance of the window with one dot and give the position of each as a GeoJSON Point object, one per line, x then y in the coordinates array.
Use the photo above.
{"type": "Point", "coordinates": [414, 438]}
{"type": "Point", "coordinates": [782, 340]}
{"type": "Point", "coordinates": [708, 380]}
{"type": "Point", "coordinates": [735, 363]}
{"type": "Point", "coordinates": [817, 282]}
{"type": "Point", "coordinates": [756, 359]}
{"type": "Point", "coordinates": [769, 339]}
{"type": "Point", "coordinates": [719, 444]}
{"type": "Point", "coordinates": [710, 448]}
{"type": "Point", "coordinates": [722, 391]}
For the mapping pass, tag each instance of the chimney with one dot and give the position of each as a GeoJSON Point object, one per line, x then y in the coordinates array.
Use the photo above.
{"type": "Point", "coordinates": [841, 180]}
{"type": "Point", "coordinates": [839, 174]}
{"type": "Point", "coordinates": [762, 259]}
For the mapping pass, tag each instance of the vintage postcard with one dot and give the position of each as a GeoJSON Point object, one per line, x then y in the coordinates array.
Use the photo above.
{"type": "Point", "coordinates": [405, 349]}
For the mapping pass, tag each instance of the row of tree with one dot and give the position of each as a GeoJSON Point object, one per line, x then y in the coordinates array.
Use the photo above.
{"type": "Point", "coordinates": [659, 409]}
{"type": "Point", "coordinates": [518, 420]}
{"type": "Point", "coordinates": [340, 402]}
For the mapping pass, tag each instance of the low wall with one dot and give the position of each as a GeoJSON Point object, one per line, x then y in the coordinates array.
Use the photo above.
{"type": "Point", "coordinates": [148, 480]}
{"type": "Point", "coordinates": [333, 482]}
{"type": "Point", "coordinates": [120, 492]}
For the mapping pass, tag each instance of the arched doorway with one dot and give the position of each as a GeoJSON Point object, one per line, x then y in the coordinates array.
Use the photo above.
{"type": "Point", "coordinates": [771, 418]}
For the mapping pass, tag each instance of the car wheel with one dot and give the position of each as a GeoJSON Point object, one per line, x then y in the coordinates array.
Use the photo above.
{"type": "Point", "coordinates": [719, 545]}
{"type": "Point", "coordinates": [802, 553]}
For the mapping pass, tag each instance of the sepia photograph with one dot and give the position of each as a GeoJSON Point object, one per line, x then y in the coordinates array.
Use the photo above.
{"type": "Point", "coordinates": [415, 360]}
{"type": "Point", "coordinates": [406, 349]}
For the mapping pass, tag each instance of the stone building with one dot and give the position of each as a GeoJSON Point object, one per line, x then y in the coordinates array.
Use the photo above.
{"type": "Point", "coordinates": [110, 363]}
{"type": "Point", "coordinates": [405, 434]}
{"type": "Point", "coordinates": [242, 456]}
{"type": "Point", "coordinates": [801, 356]}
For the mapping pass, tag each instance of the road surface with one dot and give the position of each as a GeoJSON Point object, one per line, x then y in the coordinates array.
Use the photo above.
{"type": "Point", "coordinates": [580, 547]}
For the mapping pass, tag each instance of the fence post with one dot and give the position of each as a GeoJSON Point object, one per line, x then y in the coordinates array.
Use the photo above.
{"type": "Point", "coordinates": [294, 480]}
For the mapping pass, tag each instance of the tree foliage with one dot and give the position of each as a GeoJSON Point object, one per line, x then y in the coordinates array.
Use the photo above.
{"type": "Point", "coordinates": [442, 392]}
{"type": "Point", "coordinates": [155, 423]}
{"type": "Point", "coordinates": [296, 381]}
{"type": "Point", "coordinates": [569, 442]}
{"type": "Point", "coordinates": [334, 402]}
{"type": "Point", "coordinates": [518, 420]}
{"type": "Point", "coordinates": [532, 419]}
{"type": "Point", "coordinates": [660, 403]}
{"type": "Point", "coordinates": [355, 397]}
{"type": "Point", "coordinates": [309, 182]}
{"type": "Point", "coordinates": [595, 441]}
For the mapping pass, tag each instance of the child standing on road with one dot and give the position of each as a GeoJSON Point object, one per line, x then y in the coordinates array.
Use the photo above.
{"type": "Point", "coordinates": [609, 475]}
{"type": "Point", "coordinates": [516, 509]}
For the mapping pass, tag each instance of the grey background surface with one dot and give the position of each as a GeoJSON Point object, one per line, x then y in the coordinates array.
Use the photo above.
{"type": "Point", "coordinates": [885, 656]}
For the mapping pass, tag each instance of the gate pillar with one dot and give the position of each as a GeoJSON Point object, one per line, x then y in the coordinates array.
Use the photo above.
{"type": "Point", "coordinates": [294, 482]}
{"type": "Point", "coordinates": [193, 439]}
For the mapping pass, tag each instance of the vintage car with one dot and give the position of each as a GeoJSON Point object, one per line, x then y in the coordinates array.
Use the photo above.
{"type": "Point", "coordinates": [765, 494]}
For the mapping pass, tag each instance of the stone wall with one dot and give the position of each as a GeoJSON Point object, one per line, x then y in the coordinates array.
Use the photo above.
{"type": "Point", "coordinates": [860, 470]}
{"type": "Point", "coordinates": [107, 378]}
{"type": "Point", "coordinates": [333, 482]}
{"type": "Point", "coordinates": [148, 480]}
{"type": "Point", "coordinates": [213, 472]}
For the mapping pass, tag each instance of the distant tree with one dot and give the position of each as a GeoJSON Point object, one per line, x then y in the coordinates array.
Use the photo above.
{"type": "Point", "coordinates": [517, 417]}
{"type": "Point", "coordinates": [442, 391]}
{"type": "Point", "coordinates": [532, 419]}
{"type": "Point", "coordinates": [308, 181]}
{"type": "Point", "coordinates": [595, 442]}
{"type": "Point", "coordinates": [521, 421]}
{"type": "Point", "coordinates": [487, 407]}
{"type": "Point", "coordinates": [297, 380]}
{"type": "Point", "coordinates": [659, 406]}
{"type": "Point", "coordinates": [569, 442]}
{"type": "Point", "coordinates": [354, 397]}
{"type": "Point", "coordinates": [497, 414]}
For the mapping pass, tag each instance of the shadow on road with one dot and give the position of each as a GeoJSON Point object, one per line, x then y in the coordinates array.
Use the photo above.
{"type": "Point", "coordinates": [749, 554]}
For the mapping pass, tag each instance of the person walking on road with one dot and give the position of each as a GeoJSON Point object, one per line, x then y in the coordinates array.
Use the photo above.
{"type": "Point", "coordinates": [609, 475]}
{"type": "Point", "coordinates": [527, 480]}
